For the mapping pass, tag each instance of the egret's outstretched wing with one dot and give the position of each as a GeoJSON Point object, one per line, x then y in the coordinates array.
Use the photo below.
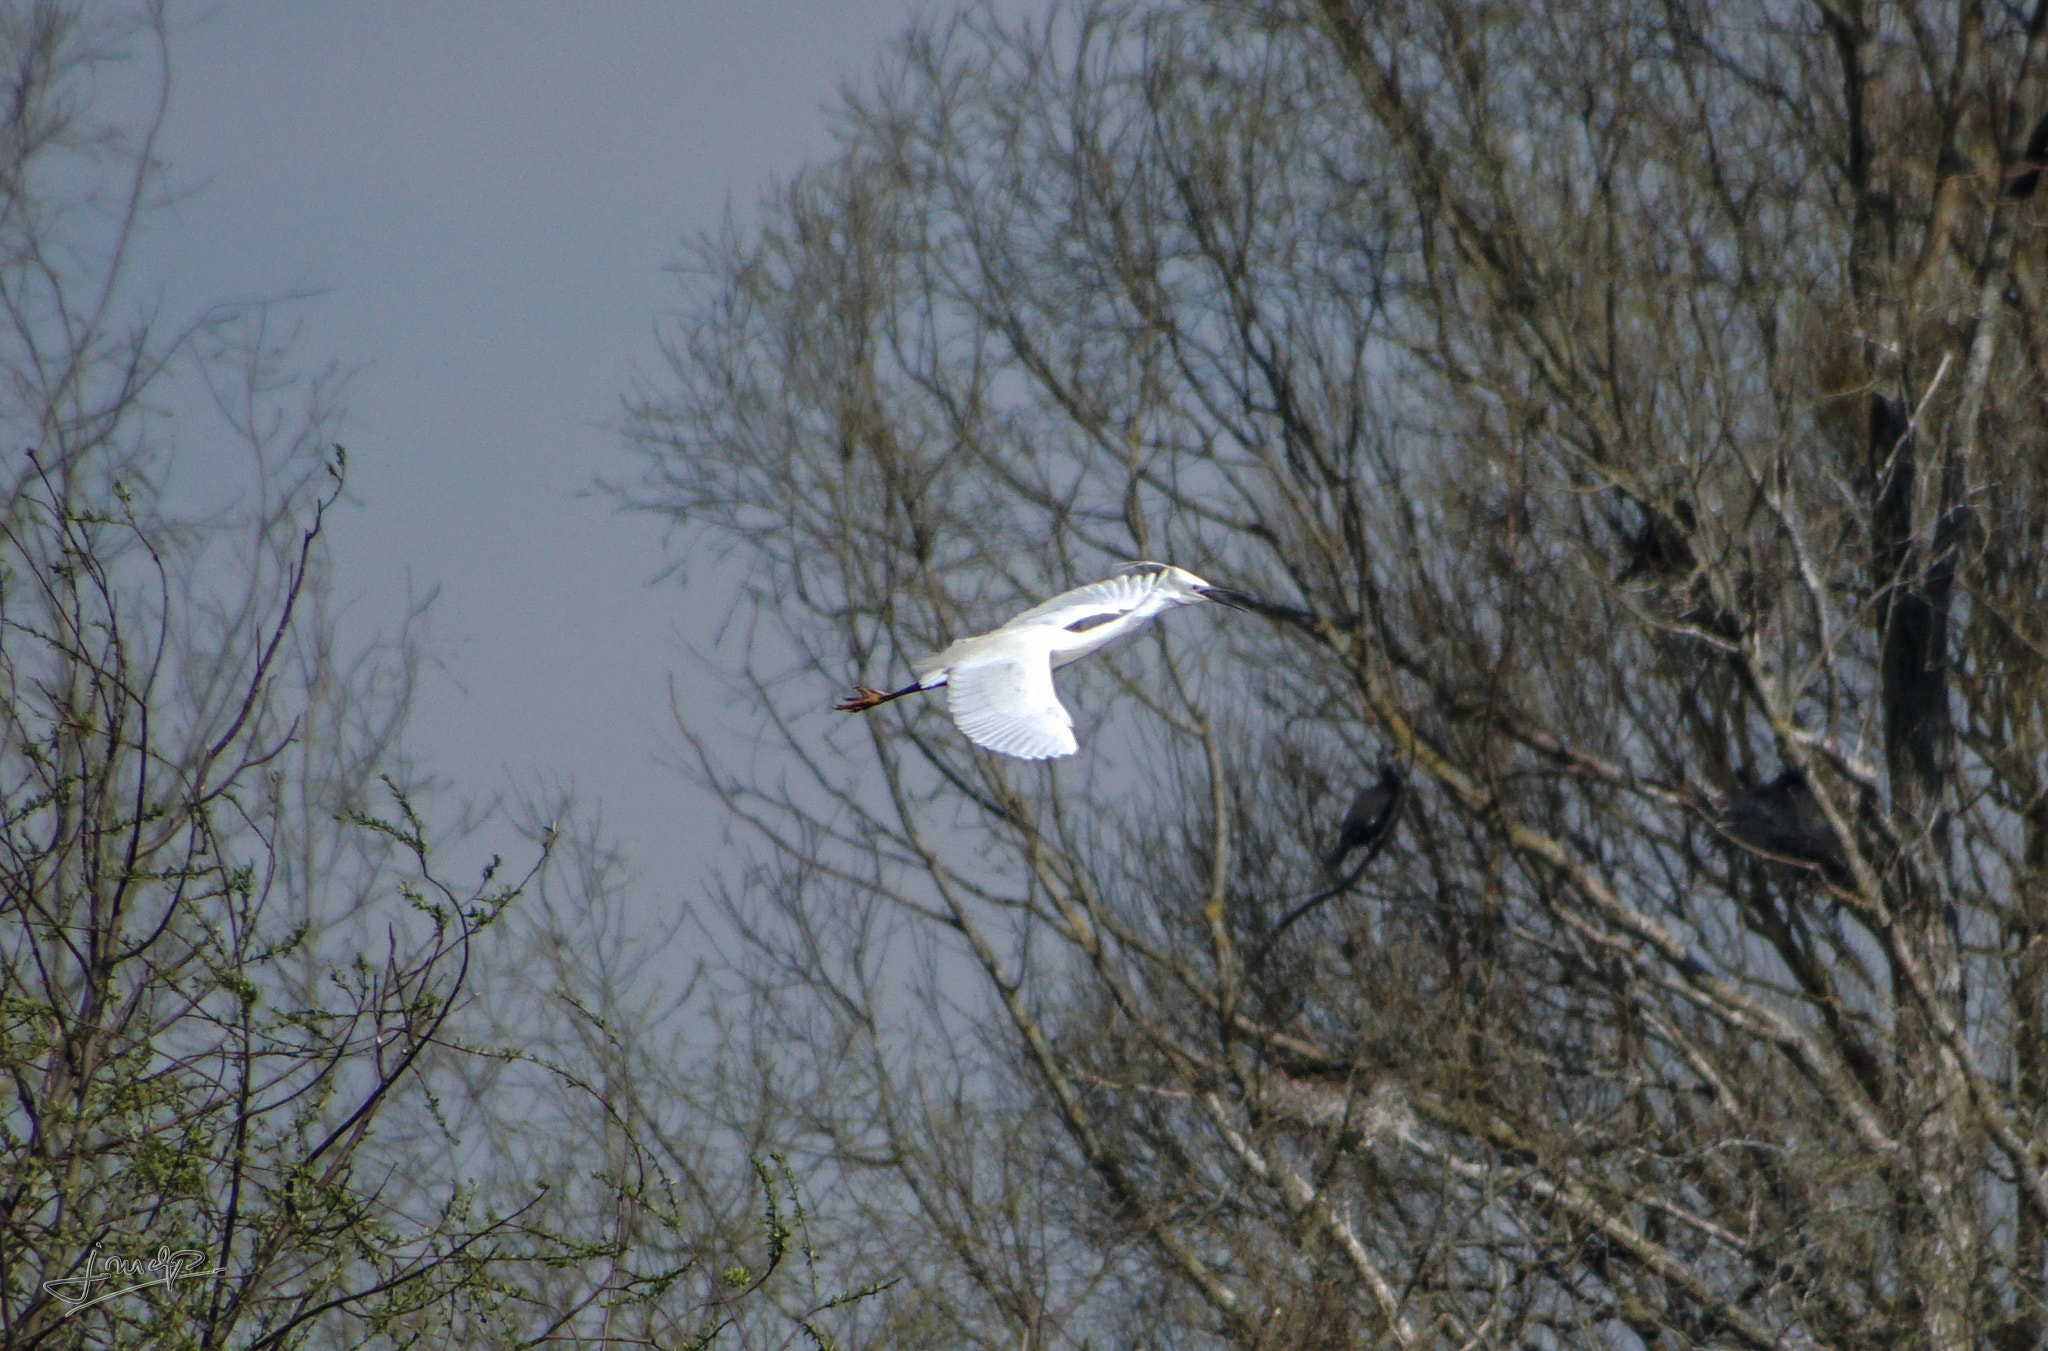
{"type": "Point", "coordinates": [1113, 597]}
{"type": "Point", "coordinates": [1008, 704]}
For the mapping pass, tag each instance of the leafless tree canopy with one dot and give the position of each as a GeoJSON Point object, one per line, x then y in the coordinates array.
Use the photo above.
{"type": "Point", "coordinates": [274, 1072]}
{"type": "Point", "coordinates": [1634, 416]}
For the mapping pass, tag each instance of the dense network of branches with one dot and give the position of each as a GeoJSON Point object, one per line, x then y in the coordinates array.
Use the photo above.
{"type": "Point", "coordinates": [1635, 414]}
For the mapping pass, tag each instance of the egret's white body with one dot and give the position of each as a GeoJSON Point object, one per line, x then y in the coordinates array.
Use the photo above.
{"type": "Point", "coordinates": [999, 684]}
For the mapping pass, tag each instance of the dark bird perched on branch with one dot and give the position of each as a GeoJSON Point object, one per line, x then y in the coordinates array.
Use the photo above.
{"type": "Point", "coordinates": [1782, 821]}
{"type": "Point", "coordinates": [1366, 826]}
{"type": "Point", "coordinates": [1371, 816]}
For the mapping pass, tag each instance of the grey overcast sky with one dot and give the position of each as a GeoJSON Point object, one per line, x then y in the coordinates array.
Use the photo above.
{"type": "Point", "coordinates": [485, 194]}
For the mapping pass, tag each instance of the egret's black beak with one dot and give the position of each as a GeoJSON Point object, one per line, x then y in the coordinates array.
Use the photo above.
{"type": "Point", "coordinates": [1236, 600]}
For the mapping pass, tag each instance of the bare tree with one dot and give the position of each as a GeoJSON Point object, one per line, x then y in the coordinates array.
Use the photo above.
{"type": "Point", "coordinates": [268, 1083]}
{"type": "Point", "coordinates": [1633, 415]}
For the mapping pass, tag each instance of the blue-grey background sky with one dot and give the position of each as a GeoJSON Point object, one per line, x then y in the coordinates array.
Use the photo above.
{"type": "Point", "coordinates": [485, 196]}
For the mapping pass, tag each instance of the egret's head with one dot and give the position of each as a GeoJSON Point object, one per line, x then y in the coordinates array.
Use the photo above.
{"type": "Point", "coordinates": [1184, 588]}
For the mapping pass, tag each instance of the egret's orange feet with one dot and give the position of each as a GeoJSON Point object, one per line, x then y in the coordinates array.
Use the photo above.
{"type": "Point", "coordinates": [863, 700]}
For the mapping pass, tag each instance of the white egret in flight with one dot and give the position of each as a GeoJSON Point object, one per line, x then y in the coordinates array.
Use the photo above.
{"type": "Point", "coordinates": [999, 684]}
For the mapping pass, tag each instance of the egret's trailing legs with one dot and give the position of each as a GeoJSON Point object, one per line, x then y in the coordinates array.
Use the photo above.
{"type": "Point", "coordinates": [864, 698]}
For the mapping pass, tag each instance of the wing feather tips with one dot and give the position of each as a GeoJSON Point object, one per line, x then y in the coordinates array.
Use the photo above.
{"type": "Point", "coordinates": [1032, 743]}
{"type": "Point", "coordinates": [1010, 707]}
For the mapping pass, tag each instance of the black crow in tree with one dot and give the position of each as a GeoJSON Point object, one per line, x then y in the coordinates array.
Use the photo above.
{"type": "Point", "coordinates": [1783, 821]}
{"type": "Point", "coordinates": [1371, 816]}
{"type": "Point", "coordinates": [1366, 826]}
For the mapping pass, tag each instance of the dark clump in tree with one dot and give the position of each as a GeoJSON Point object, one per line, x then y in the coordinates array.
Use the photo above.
{"type": "Point", "coordinates": [1781, 820]}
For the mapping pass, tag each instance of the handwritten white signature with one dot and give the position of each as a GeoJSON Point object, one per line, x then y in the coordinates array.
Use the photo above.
{"type": "Point", "coordinates": [77, 1291]}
